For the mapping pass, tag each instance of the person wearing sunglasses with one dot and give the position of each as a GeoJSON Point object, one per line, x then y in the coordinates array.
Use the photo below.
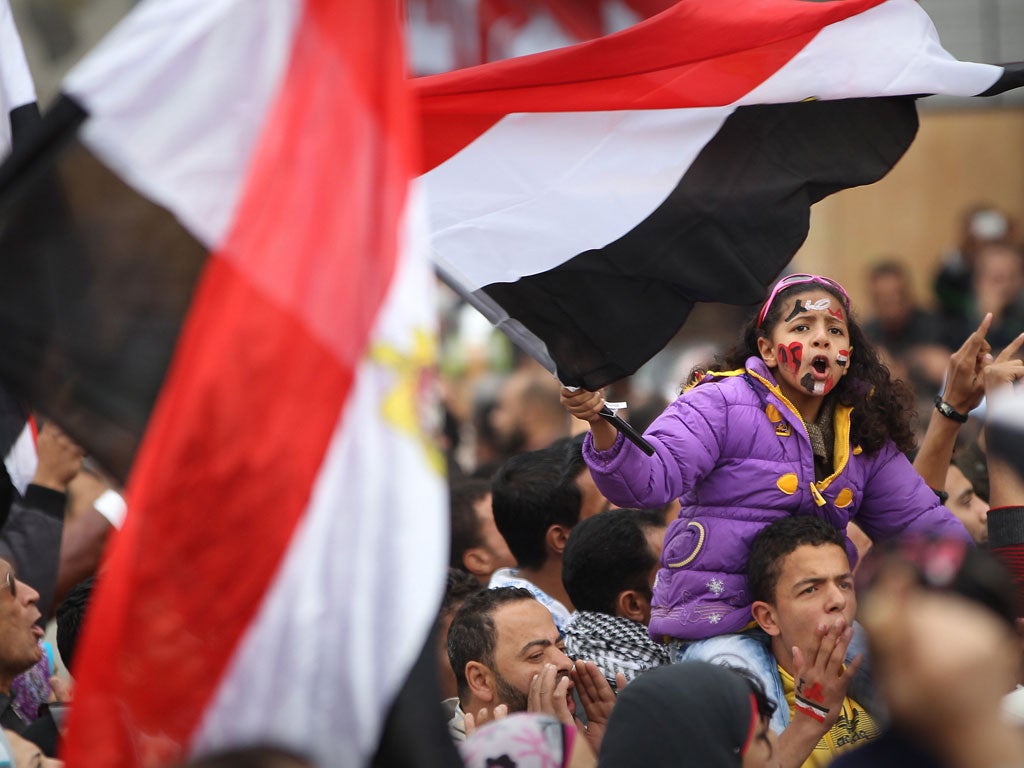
{"type": "Point", "coordinates": [799, 418]}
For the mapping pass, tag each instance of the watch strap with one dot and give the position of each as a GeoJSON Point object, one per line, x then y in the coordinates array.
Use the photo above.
{"type": "Point", "coordinates": [949, 411]}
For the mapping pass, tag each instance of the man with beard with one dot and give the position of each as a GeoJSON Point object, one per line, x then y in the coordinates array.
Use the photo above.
{"type": "Point", "coordinates": [528, 414]}
{"type": "Point", "coordinates": [502, 642]}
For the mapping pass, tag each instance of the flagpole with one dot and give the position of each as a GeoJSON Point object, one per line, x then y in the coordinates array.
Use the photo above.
{"type": "Point", "coordinates": [526, 342]}
{"type": "Point", "coordinates": [627, 430]}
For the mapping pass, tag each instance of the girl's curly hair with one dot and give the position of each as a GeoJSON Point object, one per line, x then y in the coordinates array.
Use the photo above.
{"type": "Point", "coordinates": [883, 407]}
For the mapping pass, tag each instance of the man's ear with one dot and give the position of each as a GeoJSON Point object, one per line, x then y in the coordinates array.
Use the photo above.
{"type": "Point", "coordinates": [764, 615]}
{"type": "Point", "coordinates": [477, 560]}
{"type": "Point", "coordinates": [767, 351]}
{"type": "Point", "coordinates": [556, 538]}
{"type": "Point", "coordinates": [633, 605]}
{"type": "Point", "coordinates": [480, 681]}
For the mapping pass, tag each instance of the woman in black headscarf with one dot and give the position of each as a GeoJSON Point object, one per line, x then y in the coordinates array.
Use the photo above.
{"type": "Point", "coordinates": [691, 714]}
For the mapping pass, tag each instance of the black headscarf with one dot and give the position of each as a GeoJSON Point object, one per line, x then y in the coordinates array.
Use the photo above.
{"type": "Point", "coordinates": [695, 714]}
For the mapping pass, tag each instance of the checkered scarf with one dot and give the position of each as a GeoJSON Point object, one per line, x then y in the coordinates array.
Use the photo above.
{"type": "Point", "coordinates": [614, 644]}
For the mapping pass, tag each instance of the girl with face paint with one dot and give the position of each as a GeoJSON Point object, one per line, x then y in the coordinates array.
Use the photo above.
{"type": "Point", "coordinates": [800, 418]}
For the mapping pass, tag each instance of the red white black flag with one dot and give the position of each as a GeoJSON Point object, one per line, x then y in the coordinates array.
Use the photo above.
{"type": "Point", "coordinates": [584, 199]}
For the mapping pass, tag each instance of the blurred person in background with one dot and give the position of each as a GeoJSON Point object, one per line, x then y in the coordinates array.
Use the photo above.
{"type": "Point", "coordinates": [909, 336]}
{"type": "Point", "coordinates": [999, 288]}
{"type": "Point", "coordinates": [528, 414]}
{"type": "Point", "coordinates": [981, 224]}
{"type": "Point", "coordinates": [940, 617]}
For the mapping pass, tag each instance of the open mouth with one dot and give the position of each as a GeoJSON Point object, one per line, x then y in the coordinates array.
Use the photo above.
{"type": "Point", "coordinates": [820, 367]}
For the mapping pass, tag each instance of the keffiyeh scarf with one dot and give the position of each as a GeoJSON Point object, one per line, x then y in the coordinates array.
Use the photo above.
{"type": "Point", "coordinates": [614, 644]}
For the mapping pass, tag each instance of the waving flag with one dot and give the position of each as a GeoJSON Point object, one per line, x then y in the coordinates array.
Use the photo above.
{"type": "Point", "coordinates": [584, 199]}
{"type": "Point", "coordinates": [236, 286]}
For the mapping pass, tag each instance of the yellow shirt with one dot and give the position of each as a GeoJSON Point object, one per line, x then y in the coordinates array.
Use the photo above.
{"type": "Point", "coordinates": [854, 727]}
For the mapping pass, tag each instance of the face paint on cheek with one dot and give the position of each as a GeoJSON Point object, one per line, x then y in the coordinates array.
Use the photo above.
{"type": "Point", "coordinates": [812, 386]}
{"type": "Point", "coordinates": [843, 358]}
{"type": "Point", "coordinates": [791, 356]}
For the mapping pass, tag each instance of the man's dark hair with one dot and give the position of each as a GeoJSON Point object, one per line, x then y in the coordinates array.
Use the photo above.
{"type": "Point", "coordinates": [607, 554]}
{"type": "Point", "coordinates": [571, 449]}
{"type": "Point", "coordinates": [530, 493]}
{"type": "Point", "coordinates": [460, 586]}
{"type": "Point", "coordinates": [774, 543]}
{"type": "Point", "coordinates": [70, 615]}
{"type": "Point", "coordinates": [465, 525]}
{"type": "Point", "coordinates": [472, 635]}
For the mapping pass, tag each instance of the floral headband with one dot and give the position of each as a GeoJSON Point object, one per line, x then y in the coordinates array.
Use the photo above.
{"type": "Point", "coordinates": [800, 279]}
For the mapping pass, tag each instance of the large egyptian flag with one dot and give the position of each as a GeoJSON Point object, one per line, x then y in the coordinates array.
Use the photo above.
{"type": "Point", "coordinates": [584, 199]}
{"type": "Point", "coordinates": [234, 283]}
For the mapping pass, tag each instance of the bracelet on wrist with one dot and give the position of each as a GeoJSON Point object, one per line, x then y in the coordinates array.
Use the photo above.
{"type": "Point", "coordinates": [949, 411]}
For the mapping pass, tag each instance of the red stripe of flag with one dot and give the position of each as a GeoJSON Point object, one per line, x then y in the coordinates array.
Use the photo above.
{"type": "Point", "coordinates": [729, 50]}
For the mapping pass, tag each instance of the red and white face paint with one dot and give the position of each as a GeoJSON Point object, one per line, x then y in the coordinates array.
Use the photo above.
{"type": "Point", "coordinates": [791, 356]}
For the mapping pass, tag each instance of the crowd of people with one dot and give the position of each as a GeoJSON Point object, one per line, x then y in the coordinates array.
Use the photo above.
{"type": "Point", "coordinates": [803, 572]}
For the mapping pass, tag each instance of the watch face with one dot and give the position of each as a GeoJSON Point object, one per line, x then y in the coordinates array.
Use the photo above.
{"type": "Point", "coordinates": [948, 411]}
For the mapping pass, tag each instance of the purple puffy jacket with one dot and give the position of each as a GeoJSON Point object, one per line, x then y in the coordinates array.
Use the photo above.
{"type": "Point", "coordinates": [737, 456]}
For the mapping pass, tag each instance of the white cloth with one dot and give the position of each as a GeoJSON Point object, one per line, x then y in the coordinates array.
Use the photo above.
{"type": "Point", "coordinates": [509, 577]}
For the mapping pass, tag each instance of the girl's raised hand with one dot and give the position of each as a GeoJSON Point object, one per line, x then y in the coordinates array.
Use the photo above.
{"type": "Point", "coordinates": [583, 404]}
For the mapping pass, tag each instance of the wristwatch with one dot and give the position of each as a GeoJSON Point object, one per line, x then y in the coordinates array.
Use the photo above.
{"type": "Point", "coordinates": [949, 411]}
